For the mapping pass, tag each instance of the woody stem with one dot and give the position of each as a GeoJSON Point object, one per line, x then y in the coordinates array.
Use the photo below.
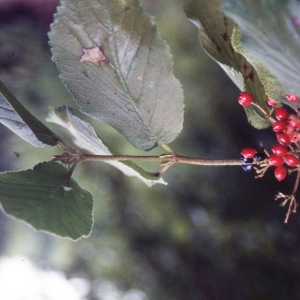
{"type": "Point", "coordinates": [164, 158]}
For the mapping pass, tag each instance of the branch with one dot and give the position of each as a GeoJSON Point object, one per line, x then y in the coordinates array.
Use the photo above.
{"type": "Point", "coordinates": [70, 157]}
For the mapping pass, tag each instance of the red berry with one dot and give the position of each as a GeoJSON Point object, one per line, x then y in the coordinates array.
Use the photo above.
{"type": "Point", "coordinates": [295, 137]}
{"type": "Point", "coordinates": [283, 139]}
{"type": "Point", "coordinates": [292, 98]}
{"type": "Point", "coordinates": [275, 160]}
{"type": "Point", "coordinates": [245, 99]}
{"type": "Point", "coordinates": [280, 173]}
{"type": "Point", "coordinates": [294, 121]}
{"type": "Point", "coordinates": [281, 114]}
{"type": "Point", "coordinates": [278, 126]}
{"type": "Point", "coordinates": [288, 129]}
{"type": "Point", "coordinates": [279, 150]}
{"type": "Point", "coordinates": [291, 160]}
{"type": "Point", "coordinates": [271, 102]}
{"type": "Point", "coordinates": [248, 152]}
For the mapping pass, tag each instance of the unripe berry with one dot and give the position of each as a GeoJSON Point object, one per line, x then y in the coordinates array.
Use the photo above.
{"type": "Point", "coordinates": [280, 173]}
{"type": "Point", "coordinates": [281, 114]}
{"type": "Point", "coordinates": [283, 139]}
{"type": "Point", "coordinates": [278, 126]}
{"type": "Point", "coordinates": [245, 99]}
{"type": "Point", "coordinates": [291, 160]}
{"type": "Point", "coordinates": [275, 160]}
{"type": "Point", "coordinates": [292, 98]}
{"type": "Point", "coordinates": [271, 102]}
{"type": "Point", "coordinates": [279, 150]}
{"type": "Point", "coordinates": [248, 152]}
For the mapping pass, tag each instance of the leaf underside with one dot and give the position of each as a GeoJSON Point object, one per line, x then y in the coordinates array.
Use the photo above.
{"type": "Point", "coordinates": [220, 38]}
{"type": "Point", "coordinates": [86, 139]}
{"type": "Point", "coordinates": [38, 197]}
{"type": "Point", "coordinates": [18, 119]}
{"type": "Point", "coordinates": [118, 69]}
{"type": "Point", "coordinates": [270, 31]}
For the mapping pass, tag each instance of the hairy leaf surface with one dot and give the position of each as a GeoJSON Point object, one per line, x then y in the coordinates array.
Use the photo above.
{"type": "Point", "coordinates": [270, 32]}
{"type": "Point", "coordinates": [43, 198]}
{"type": "Point", "coordinates": [18, 119]}
{"type": "Point", "coordinates": [118, 69]}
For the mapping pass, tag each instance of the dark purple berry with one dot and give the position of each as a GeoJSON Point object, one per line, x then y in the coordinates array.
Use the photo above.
{"type": "Point", "coordinates": [246, 160]}
{"type": "Point", "coordinates": [259, 156]}
{"type": "Point", "coordinates": [247, 168]}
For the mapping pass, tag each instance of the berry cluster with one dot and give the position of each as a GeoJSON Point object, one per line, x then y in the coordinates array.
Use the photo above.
{"type": "Point", "coordinates": [261, 161]}
{"type": "Point", "coordinates": [285, 153]}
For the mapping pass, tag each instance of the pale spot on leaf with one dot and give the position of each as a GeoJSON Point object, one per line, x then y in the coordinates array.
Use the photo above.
{"type": "Point", "coordinates": [94, 55]}
{"type": "Point", "coordinates": [67, 189]}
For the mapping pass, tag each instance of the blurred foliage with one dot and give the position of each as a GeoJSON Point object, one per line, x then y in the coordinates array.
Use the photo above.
{"type": "Point", "coordinates": [212, 232]}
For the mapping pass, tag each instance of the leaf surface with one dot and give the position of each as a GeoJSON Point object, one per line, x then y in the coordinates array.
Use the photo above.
{"type": "Point", "coordinates": [41, 197]}
{"type": "Point", "coordinates": [17, 118]}
{"type": "Point", "coordinates": [220, 38]}
{"type": "Point", "coordinates": [118, 69]}
{"type": "Point", "coordinates": [270, 32]}
{"type": "Point", "coordinates": [85, 138]}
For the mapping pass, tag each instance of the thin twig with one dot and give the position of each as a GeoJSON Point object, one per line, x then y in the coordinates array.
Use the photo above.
{"type": "Point", "coordinates": [164, 158]}
{"type": "Point", "coordinates": [266, 115]}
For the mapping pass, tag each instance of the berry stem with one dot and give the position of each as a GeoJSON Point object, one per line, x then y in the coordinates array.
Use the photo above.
{"type": "Point", "coordinates": [290, 198]}
{"type": "Point", "coordinates": [296, 183]}
{"type": "Point", "coordinates": [266, 115]}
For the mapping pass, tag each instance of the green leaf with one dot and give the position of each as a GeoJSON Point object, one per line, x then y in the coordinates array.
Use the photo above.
{"type": "Point", "coordinates": [219, 37]}
{"type": "Point", "coordinates": [43, 198]}
{"type": "Point", "coordinates": [18, 119]}
{"type": "Point", "coordinates": [271, 33]}
{"type": "Point", "coordinates": [272, 86]}
{"type": "Point", "coordinates": [118, 69]}
{"type": "Point", "coordinates": [85, 138]}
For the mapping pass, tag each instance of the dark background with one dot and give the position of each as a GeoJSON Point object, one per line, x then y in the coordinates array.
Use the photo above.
{"type": "Point", "coordinates": [211, 233]}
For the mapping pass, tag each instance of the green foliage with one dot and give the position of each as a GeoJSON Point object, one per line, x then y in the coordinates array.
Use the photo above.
{"type": "Point", "coordinates": [43, 198]}
{"type": "Point", "coordinates": [219, 37]}
{"type": "Point", "coordinates": [127, 81]}
{"type": "Point", "coordinates": [120, 72]}
{"type": "Point", "coordinates": [270, 33]}
{"type": "Point", "coordinates": [18, 119]}
{"type": "Point", "coordinates": [85, 138]}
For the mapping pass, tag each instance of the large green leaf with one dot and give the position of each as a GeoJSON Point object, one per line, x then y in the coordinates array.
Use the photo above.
{"type": "Point", "coordinates": [85, 138]}
{"type": "Point", "coordinates": [18, 119]}
{"type": "Point", "coordinates": [219, 37]}
{"type": "Point", "coordinates": [118, 69]}
{"type": "Point", "coordinates": [271, 32]}
{"type": "Point", "coordinates": [42, 198]}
